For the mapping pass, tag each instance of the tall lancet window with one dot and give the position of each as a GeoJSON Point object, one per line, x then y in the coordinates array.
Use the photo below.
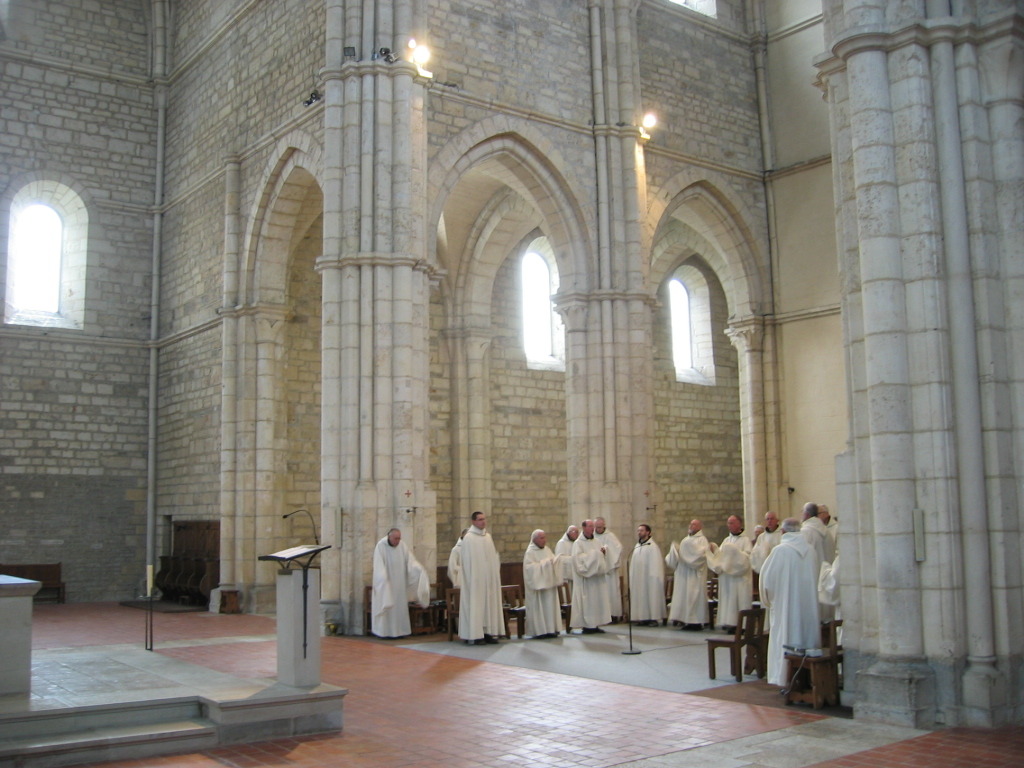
{"type": "Point", "coordinates": [693, 348]}
{"type": "Point", "coordinates": [543, 332]}
{"type": "Point", "coordinates": [682, 330]}
{"type": "Point", "coordinates": [44, 281]}
{"type": "Point", "coordinates": [34, 260]}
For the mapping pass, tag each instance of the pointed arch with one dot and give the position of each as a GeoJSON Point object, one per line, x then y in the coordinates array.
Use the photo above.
{"type": "Point", "coordinates": [504, 152]}
{"type": "Point", "coordinates": [693, 214]}
{"type": "Point", "coordinates": [291, 200]}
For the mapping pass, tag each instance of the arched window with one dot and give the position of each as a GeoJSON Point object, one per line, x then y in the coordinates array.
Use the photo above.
{"type": "Point", "coordinates": [33, 274]}
{"type": "Point", "coordinates": [46, 247]}
{"type": "Point", "coordinates": [543, 332]}
{"type": "Point", "coordinates": [693, 347]}
{"type": "Point", "coordinates": [707, 7]}
{"type": "Point", "coordinates": [682, 333]}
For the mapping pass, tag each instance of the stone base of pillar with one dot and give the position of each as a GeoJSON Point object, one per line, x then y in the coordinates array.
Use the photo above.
{"type": "Point", "coordinates": [330, 617]}
{"type": "Point", "coordinates": [261, 599]}
{"type": "Point", "coordinates": [984, 696]}
{"type": "Point", "coordinates": [896, 692]}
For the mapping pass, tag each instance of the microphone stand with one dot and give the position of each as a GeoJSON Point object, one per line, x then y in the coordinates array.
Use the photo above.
{"type": "Point", "coordinates": [312, 522]}
{"type": "Point", "coordinates": [629, 622]}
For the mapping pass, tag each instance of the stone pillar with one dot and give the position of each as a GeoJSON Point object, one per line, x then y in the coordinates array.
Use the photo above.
{"type": "Point", "coordinates": [226, 597]}
{"type": "Point", "coordinates": [931, 587]}
{"type": "Point", "coordinates": [376, 281]}
{"type": "Point", "coordinates": [16, 634]}
{"type": "Point", "coordinates": [471, 428]}
{"type": "Point", "coordinates": [609, 324]}
{"type": "Point", "coordinates": [747, 337]}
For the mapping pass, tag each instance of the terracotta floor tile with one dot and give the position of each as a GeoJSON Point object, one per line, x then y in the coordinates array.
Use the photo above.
{"type": "Point", "coordinates": [411, 709]}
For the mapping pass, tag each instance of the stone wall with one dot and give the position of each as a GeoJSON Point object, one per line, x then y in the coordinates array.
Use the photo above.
{"type": "Point", "coordinates": [78, 110]}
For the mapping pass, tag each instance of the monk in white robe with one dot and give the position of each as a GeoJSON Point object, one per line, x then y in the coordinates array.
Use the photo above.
{"type": "Point", "coordinates": [591, 607]}
{"type": "Point", "coordinates": [828, 592]}
{"type": "Point", "coordinates": [731, 561]}
{"type": "Point", "coordinates": [769, 538]}
{"type": "Point", "coordinates": [398, 579]}
{"type": "Point", "coordinates": [646, 580]}
{"type": "Point", "coordinates": [542, 573]}
{"type": "Point", "coordinates": [766, 541]}
{"type": "Point", "coordinates": [813, 529]}
{"type": "Point", "coordinates": [455, 562]}
{"type": "Point", "coordinates": [563, 550]}
{"type": "Point", "coordinates": [832, 529]}
{"type": "Point", "coordinates": [481, 618]}
{"type": "Point", "coordinates": [613, 582]}
{"type": "Point", "coordinates": [689, 562]}
{"type": "Point", "coordinates": [789, 585]}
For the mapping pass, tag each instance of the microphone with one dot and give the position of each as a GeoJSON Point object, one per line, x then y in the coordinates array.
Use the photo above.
{"type": "Point", "coordinates": [312, 522]}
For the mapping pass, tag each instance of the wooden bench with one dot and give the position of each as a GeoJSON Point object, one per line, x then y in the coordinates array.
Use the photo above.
{"type": "Point", "coordinates": [48, 574]}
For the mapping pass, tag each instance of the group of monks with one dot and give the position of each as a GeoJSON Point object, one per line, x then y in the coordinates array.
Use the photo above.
{"type": "Point", "coordinates": [796, 560]}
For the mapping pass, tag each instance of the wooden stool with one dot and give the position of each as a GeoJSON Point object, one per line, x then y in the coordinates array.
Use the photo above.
{"type": "Point", "coordinates": [812, 680]}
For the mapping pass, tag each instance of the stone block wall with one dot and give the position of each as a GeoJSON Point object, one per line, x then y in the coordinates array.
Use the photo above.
{"type": "Point", "coordinates": [78, 110]}
{"type": "Point", "coordinates": [527, 415]}
{"type": "Point", "coordinates": [73, 460]}
{"type": "Point", "coordinates": [698, 463]}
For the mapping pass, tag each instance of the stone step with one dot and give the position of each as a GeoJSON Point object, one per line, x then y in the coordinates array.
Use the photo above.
{"type": "Point", "coordinates": [121, 742]}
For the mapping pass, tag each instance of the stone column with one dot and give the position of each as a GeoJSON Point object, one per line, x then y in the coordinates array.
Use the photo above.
{"type": "Point", "coordinates": [225, 597]}
{"type": "Point", "coordinates": [375, 299]}
{"type": "Point", "coordinates": [608, 325]}
{"type": "Point", "coordinates": [898, 683]}
{"type": "Point", "coordinates": [471, 428]}
{"type": "Point", "coordinates": [747, 336]}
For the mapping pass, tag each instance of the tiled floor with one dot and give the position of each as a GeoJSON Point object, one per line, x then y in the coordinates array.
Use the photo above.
{"type": "Point", "coordinates": [417, 710]}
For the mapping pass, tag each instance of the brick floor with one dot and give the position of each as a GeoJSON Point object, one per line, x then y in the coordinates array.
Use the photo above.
{"type": "Point", "coordinates": [411, 709]}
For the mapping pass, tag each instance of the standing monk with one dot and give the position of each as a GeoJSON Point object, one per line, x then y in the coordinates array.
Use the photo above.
{"type": "Point", "coordinates": [542, 574]}
{"type": "Point", "coordinates": [481, 619]}
{"type": "Point", "coordinates": [789, 585]}
{"type": "Point", "coordinates": [398, 579]}
{"type": "Point", "coordinates": [731, 561]}
{"type": "Point", "coordinates": [646, 580]}
{"type": "Point", "coordinates": [563, 551]}
{"type": "Point", "coordinates": [590, 562]}
{"type": "Point", "coordinates": [613, 583]}
{"type": "Point", "coordinates": [688, 560]}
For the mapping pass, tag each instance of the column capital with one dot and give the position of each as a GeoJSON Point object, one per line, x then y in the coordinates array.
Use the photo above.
{"type": "Point", "coordinates": [747, 333]}
{"type": "Point", "coordinates": [378, 259]}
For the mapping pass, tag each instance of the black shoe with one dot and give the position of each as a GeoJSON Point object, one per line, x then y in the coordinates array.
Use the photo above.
{"type": "Point", "coordinates": [591, 630]}
{"type": "Point", "coordinates": [490, 639]}
{"type": "Point", "coordinates": [728, 630]}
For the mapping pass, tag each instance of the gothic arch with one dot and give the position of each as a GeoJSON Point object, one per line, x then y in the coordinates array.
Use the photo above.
{"type": "Point", "coordinates": [503, 152]}
{"type": "Point", "coordinates": [290, 200]}
{"type": "Point", "coordinates": [694, 214]}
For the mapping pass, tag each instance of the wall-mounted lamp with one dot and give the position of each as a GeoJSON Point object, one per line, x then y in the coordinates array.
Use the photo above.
{"type": "Point", "coordinates": [314, 97]}
{"type": "Point", "coordinates": [647, 124]}
{"type": "Point", "coordinates": [349, 52]}
{"type": "Point", "coordinates": [420, 56]}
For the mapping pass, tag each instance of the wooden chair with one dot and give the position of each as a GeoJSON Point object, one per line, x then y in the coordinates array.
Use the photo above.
{"type": "Point", "coordinates": [565, 602]}
{"type": "Point", "coordinates": [513, 606]}
{"type": "Point", "coordinates": [712, 589]}
{"type": "Point", "coordinates": [451, 600]}
{"type": "Point", "coordinates": [670, 581]}
{"type": "Point", "coordinates": [749, 634]}
{"type": "Point", "coordinates": [815, 680]}
{"type": "Point", "coordinates": [367, 609]}
{"type": "Point", "coordinates": [423, 621]}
